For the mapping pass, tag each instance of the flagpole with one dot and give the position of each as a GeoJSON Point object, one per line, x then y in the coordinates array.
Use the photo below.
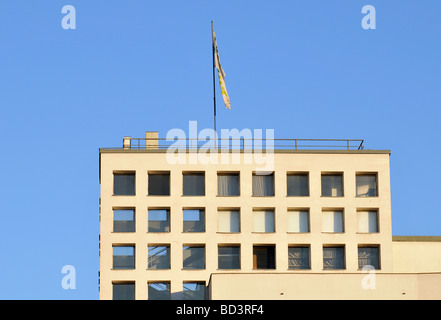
{"type": "Point", "coordinates": [214, 88]}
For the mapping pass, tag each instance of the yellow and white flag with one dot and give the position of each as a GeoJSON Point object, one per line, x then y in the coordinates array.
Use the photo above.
{"type": "Point", "coordinates": [221, 72]}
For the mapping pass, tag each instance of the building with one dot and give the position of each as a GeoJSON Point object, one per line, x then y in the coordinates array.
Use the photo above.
{"type": "Point", "coordinates": [300, 220]}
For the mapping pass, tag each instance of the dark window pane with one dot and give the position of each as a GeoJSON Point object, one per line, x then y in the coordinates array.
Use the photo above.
{"type": "Point", "coordinates": [159, 257]}
{"type": "Point", "coordinates": [123, 291]}
{"type": "Point", "coordinates": [159, 291]}
{"type": "Point", "coordinates": [194, 184]}
{"type": "Point", "coordinates": [159, 220]}
{"type": "Point", "coordinates": [229, 257]}
{"type": "Point", "coordinates": [366, 185]}
{"type": "Point", "coordinates": [264, 257]}
{"type": "Point", "coordinates": [194, 221]}
{"type": "Point", "coordinates": [124, 184]}
{"type": "Point", "coordinates": [124, 220]}
{"type": "Point", "coordinates": [263, 185]}
{"type": "Point", "coordinates": [194, 257]}
{"type": "Point", "coordinates": [228, 184]}
{"type": "Point", "coordinates": [332, 185]}
{"type": "Point", "coordinates": [368, 256]}
{"type": "Point", "coordinates": [159, 184]}
{"type": "Point", "coordinates": [124, 257]}
{"type": "Point", "coordinates": [298, 258]}
{"type": "Point", "coordinates": [333, 258]}
{"type": "Point", "coordinates": [194, 291]}
{"type": "Point", "coordinates": [297, 185]}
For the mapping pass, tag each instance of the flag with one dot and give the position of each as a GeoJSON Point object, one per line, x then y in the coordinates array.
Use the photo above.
{"type": "Point", "coordinates": [221, 72]}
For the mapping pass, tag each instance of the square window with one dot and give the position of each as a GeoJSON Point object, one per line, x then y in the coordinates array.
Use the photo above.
{"type": "Point", "coordinates": [159, 257]}
{"type": "Point", "coordinates": [298, 221]}
{"type": "Point", "coordinates": [263, 221]}
{"type": "Point", "coordinates": [159, 183]}
{"type": "Point", "coordinates": [333, 221]}
{"type": "Point", "coordinates": [194, 184]}
{"type": "Point", "coordinates": [124, 220]}
{"type": "Point", "coordinates": [332, 185]}
{"type": "Point", "coordinates": [123, 257]}
{"type": "Point", "coordinates": [367, 221]}
{"type": "Point", "coordinates": [228, 184]}
{"type": "Point", "coordinates": [124, 184]}
{"type": "Point", "coordinates": [297, 185]}
{"type": "Point", "coordinates": [159, 290]}
{"type": "Point", "coordinates": [333, 258]}
{"type": "Point", "coordinates": [264, 257]}
{"type": "Point", "coordinates": [159, 220]}
{"type": "Point", "coordinates": [193, 291]}
{"type": "Point", "coordinates": [366, 185]}
{"type": "Point", "coordinates": [228, 257]}
{"type": "Point", "coordinates": [368, 256]}
{"type": "Point", "coordinates": [123, 291]}
{"type": "Point", "coordinates": [194, 220]}
{"type": "Point", "coordinates": [228, 221]}
{"type": "Point", "coordinates": [298, 258]}
{"type": "Point", "coordinates": [263, 185]}
{"type": "Point", "coordinates": [194, 257]}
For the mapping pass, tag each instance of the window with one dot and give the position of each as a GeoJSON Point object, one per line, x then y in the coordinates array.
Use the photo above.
{"type": "Point", "coordinates": [332, 185]}
{"type": "Point", "coordinates": [297, 185]}
{"type": "Point", "coordinates": [263, 221]}
{"type": "Point", "coordinates": [367, 221]}
{"type": "Point", "coordinates": [159, 257]}
{"type": "Point", "coordinates": [298, 221]}
{"type": "Point", "coordinates": [228, 184]}
{"type": "Point", "coordinates": [159, 184]}
{"type": "Point", "coordinates": [194, 257]}
{"type": "Point", "coordinates": [229, 257]}
{"type": "Point", "coordinates": [366, 185]}
{"type": "Point", "coordinates": [298, 258]}
{"type": "Point", "coordinates": [124, 184]}
{"type": "Point", "coordinates": [333, 258]}
{"type": "Point", "coordinates": [193, 291]}
{"type": "Point", "coordinates": [194, 220]}
{"type": "Point", "coordinates": [159, 290]}
{"type": "Point", "coordinates": [228, 221]}
{"type": "Point", "coordinates": [194, 184]}
{"type": "Point", "coordinates": [159, 220]}
{"type": "Point", "coordinates": [123, 291]}
{"type": "Point", "coordinates": [123, 257]}
{"type": "Point", "coordinates": [124, 220]}
{"type": "Point", "coordinates": [368, 256]}
{"type": "Point", "coordinates": [264, 257]}
{"type": "Point", "coordinates": [263, 185]}
{"type": "Point", "coordinates": [332, 221]}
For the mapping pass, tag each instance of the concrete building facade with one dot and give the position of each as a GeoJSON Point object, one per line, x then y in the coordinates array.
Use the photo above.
{"type": "Point", "coordinates": [293, 224]}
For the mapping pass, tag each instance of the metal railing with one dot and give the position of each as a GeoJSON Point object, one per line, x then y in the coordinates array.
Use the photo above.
{"type": "Point", "coordinates": [243, 144]}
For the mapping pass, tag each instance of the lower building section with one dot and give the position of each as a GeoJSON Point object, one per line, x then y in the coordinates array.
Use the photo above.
{"type": "Point", "coordinates": [323, 286]}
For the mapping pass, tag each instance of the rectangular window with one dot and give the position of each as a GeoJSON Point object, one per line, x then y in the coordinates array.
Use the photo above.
{"type": "Point", "coordinates": [366, 185]}
{"type": "Point", "coordinates": [333, 258]}
{"type": "Point", "coordinates": [159, 220]}
{"type": "Point", "coordinates": [159, 290]}
{"type": "Point", "coordinates": [298, 221]}
{"type": "Point", "coordinates": [123, 257]}
{"type": "Point", "coordinates": [194, 220]}
{"type": "Point", "coordinates": [124, 220]}
{"type": "Point", "coordinates": [298, 258]}
{"type": "Point", "coordinates": [228, 221]}
{"type": "Point", "coordinates": [159, 183]}
{"type": "Point", "coordinates": [264, 257]}
{"type": "Point", "coordinates": [123, 291]}
{"type": "Point", "coordinates": [193, 184]}
{"type": "Point", "coordinates": [332, 185]}
{"type": "Point", "coordinates": [263, 185]}
{"type": "Point", "coordinates": [367, 221]}
{"type": "Point", "coordinates": [263, 221]}
{"type": "Point", "coordinates": [333, 221]}
{"type": "Point", "coordinates": [124, 184]}
{"type": "Point", "coordinates": [159, 257]}
{"type": "Point", "coordinates": [368, 256]}
{"type": "Point", "coordinates": [193, 291]}
{"type": "Point", "coordinates": [229, 257]}
{"type": "Point", "coordinates": [194, 257]}
{"type": "Point", "coordinates": [297, 185]}
{"type": "Point", "coordinates": [228, 184]}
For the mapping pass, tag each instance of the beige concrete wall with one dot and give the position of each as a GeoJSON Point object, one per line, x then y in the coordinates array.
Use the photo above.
{"type": "Point", "coordinates": [313, 163]}
{"type": "Point", "coordinates": [322, 286]}
{"type": "Point", "coordinates": [417, 254]}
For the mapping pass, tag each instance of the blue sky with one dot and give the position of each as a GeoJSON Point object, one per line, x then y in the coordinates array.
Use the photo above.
{"type": "Point", "coordinates": [304, 68]}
